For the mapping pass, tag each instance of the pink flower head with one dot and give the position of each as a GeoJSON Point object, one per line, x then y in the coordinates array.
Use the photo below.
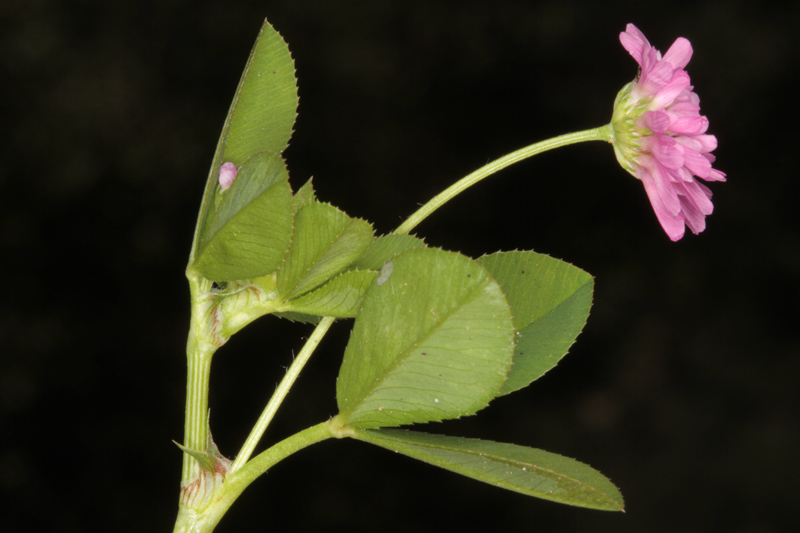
{"type": "Point", "coordinates": [660, 136]}
{"type": "Point", "coordinates": [227, 173]}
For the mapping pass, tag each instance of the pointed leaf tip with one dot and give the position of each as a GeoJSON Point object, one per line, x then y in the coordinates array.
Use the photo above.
{"type": "Point", "coordinates": [206, 461]}
{"type": "Point", "coordinates": [518, 468]}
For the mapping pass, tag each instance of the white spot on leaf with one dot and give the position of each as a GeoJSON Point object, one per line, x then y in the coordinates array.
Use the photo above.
{"type": "Point", "coordinates": [386, 271]}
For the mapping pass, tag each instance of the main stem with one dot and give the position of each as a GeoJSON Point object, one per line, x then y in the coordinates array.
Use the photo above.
{"type": "Point", "coordinates": [200, 348]}
{"type": "Point", "coordinates": [196, 425]}
{"type": "Point", "coordinates": [597, 134]}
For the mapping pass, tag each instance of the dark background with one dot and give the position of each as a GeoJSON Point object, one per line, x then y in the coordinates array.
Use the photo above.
{"type": "Point", "coordinates": [682, 388]}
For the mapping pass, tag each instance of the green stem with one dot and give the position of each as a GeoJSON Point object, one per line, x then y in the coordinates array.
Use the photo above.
{"type": "Point", "coordinates": [277, 453]}
{"type": "Point", "coordinates": [597, 134]}
{"type": "Point", "coordinates": [196, 425]}
{"type": "Point", "coordinates": [190, 521]}
{"type": "Point", "coordinates": [199, 350]}
{"type": "Point", "coordinates": [280, 393]}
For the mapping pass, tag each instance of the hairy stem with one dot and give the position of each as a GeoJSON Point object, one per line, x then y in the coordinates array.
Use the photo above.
{"type": "Point", "coordinates": [280, 393]}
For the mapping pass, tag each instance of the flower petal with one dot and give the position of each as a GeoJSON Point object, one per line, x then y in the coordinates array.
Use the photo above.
{"type": "Point", "coordinates": [683, 105]}
{"type": "Point", "coordinates": [656, 121]}
{"type": "Point", "coordinates": [702, 143]}
{"type": "Point", "coordinates": [689, 125]}
{"type": "Point", "coordinates": [693, 218]}
{"type": "Point", "coordinates": [634, 42]}
{"type": "Point", "coordinates": [671, 222]}
{"type": "Point", "coordinates": [697, 194]}
{"type": "Point", "coordinates": [696, 163]}
{"type": "Point", "coordinates": [664, 150]}
{"type": "Point", "coordinates": [679, 53]}
{"type": "Point", "coordinates": [667, 94]}
{"type": "Point", "coordinates": [661, 186]}
{"type": "Point", "coordinates": [655, 75]}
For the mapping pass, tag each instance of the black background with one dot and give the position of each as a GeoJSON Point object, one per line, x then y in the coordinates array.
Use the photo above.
{"type": "Point", "coordinates": [682, 388]}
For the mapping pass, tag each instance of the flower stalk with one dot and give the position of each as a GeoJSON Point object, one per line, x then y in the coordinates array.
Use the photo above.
{"type": "Point", "coordinates": [602, 133]}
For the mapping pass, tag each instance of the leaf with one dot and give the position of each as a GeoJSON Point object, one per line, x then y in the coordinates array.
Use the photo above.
{"type": "Point", "coordinates": [204, 459]}
{"type": "Point", "coordinates": [339, 297]}
{"type": "Point", "coordinates": [249, 232]}
{"type": "Point", "coordinates": [526, 470]}
{"type": "Point", "coordinates": [550, 301]}
{"type": "Point", "coordinates": [261, 115]}
{"type": "Point", "coordinates": [210, 460]}
{"type": "Point", "coordinates": [325, 242]}
{"type": "Point", "coordinates": [264, 108]}
{"type": "Point", "coordinates": [304, 195]}
{"type": "Point", "coordinates": [384, 249]}
{"type": "Point", "coordinates": [299, 317]}
{"type": "Point", "coordinates": [433, 342]}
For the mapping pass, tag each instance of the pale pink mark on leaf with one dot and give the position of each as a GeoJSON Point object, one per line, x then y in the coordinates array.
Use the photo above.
{"type": "Point", "coordinates": [227, 173]}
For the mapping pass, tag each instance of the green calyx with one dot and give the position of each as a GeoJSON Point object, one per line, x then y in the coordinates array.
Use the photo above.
{"type": "Point", "coordinates": [625, 134]}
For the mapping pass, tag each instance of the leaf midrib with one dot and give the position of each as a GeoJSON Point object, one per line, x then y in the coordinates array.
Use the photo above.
{"type": "Point", "coordinates": [404, 355]}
